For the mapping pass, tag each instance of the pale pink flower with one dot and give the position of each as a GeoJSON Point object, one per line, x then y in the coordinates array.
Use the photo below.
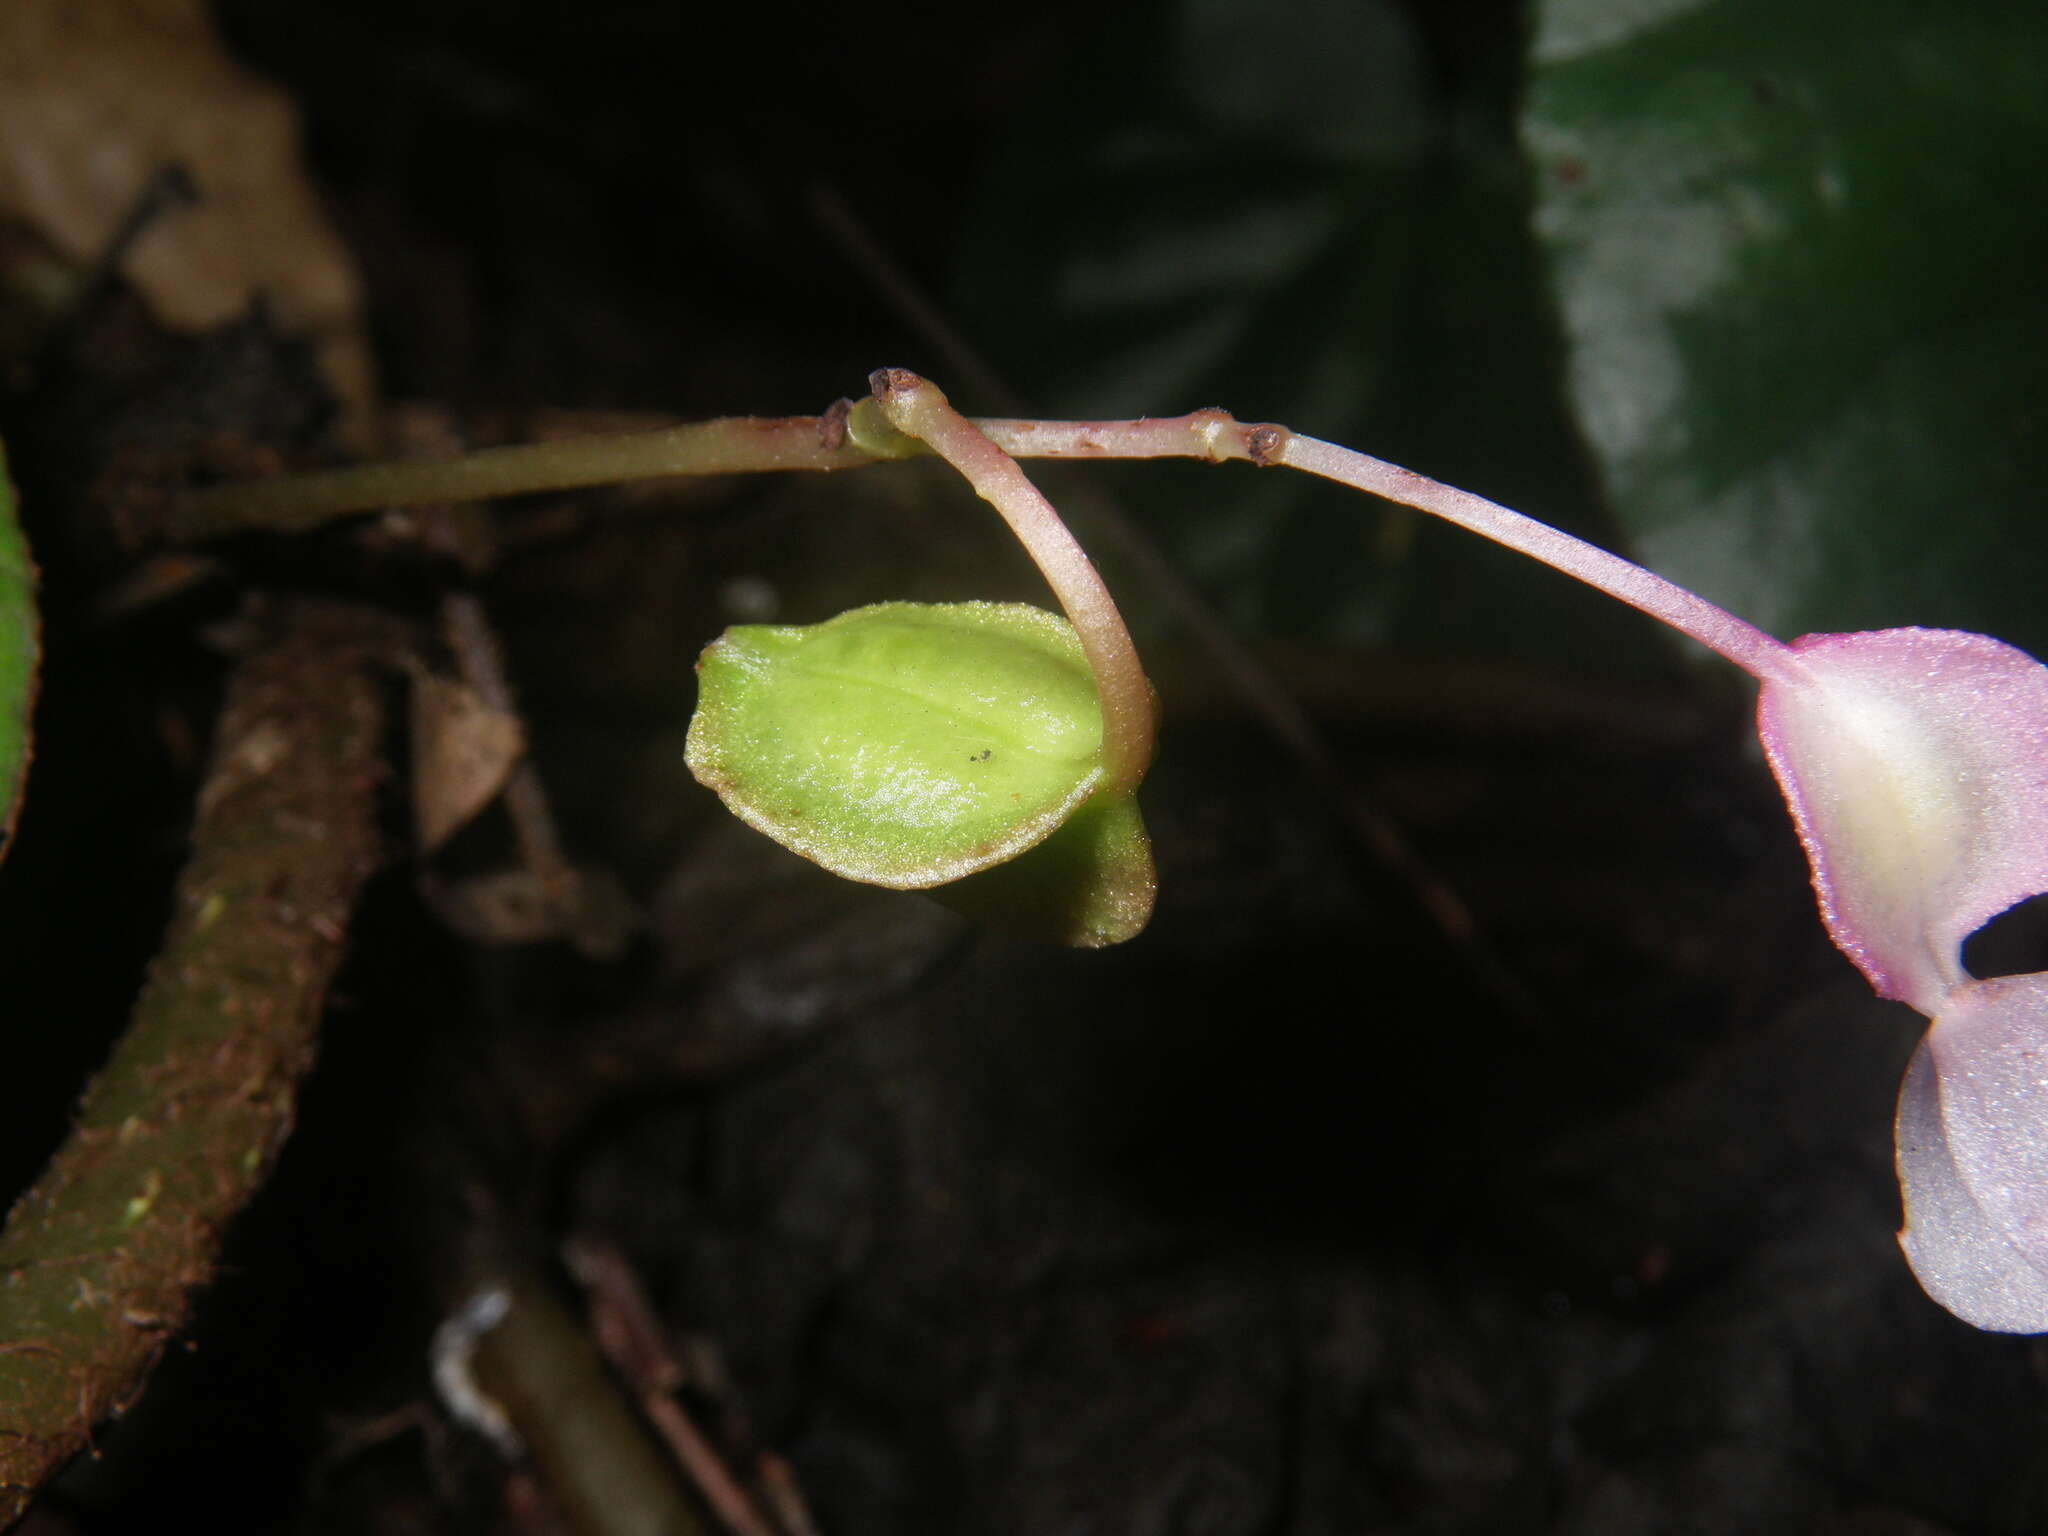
{"type": "Point", "coordinates": [1915, 762]}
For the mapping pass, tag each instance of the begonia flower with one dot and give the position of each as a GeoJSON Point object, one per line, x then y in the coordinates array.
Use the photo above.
{"type": "Point", "coordinates": [1915, 764]}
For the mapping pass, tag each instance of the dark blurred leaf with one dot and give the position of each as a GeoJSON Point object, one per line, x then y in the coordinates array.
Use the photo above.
{"type": "Point", "coordinates": [17, 655]}
{"type": "Point", "coordinates": [1798, 260]}
{"type": "Point", "coordinates": [1214, 207]}
{"type": "Point", "coordinates": [1310, 213]}
{"type": "Point", "coordinates": [1193, 210]}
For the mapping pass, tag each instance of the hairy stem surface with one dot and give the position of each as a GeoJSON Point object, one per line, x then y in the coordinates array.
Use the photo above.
{"type": "Point", "coordinates": [100, 1258]}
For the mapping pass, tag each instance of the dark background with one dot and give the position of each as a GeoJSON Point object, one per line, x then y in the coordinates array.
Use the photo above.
{"type": "Point", "coordinates": [1292, 1215]}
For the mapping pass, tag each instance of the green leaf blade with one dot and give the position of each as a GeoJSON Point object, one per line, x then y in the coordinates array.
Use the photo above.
{"type": "Point", "coordinates": [903, 745]}
{"type": "Point", "coordinates": [18, 655]}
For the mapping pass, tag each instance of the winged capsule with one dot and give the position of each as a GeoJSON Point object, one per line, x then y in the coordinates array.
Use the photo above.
{"type": "Point", "coordinates": [916, 745]}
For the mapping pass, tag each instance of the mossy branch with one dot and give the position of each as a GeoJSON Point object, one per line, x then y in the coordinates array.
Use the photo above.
{"type": "Point", "coordinates": [100, 1258]}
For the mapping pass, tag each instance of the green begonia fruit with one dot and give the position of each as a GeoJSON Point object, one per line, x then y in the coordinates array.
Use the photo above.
{"type": "Point", "coordinates": [912, 745]}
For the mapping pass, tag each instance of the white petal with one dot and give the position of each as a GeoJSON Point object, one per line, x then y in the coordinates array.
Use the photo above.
{"type": "Point", "coordinates": [1973, 1156]}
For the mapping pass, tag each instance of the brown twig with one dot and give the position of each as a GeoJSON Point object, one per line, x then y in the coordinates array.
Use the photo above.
{"type": "Point", "coordinates": [633, 1341]}
{"type": "Point", "coordinates": [560, 898]}
{"type": "Point", "coordinates": [780, 1492]}
{"type": "Point", "coordinates": [100, 1259]}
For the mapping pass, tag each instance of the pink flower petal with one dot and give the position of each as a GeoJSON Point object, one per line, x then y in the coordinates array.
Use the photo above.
{"type": "Point", "coordinates": [1915, 762]}
{"type": "Point", "coordinates": [1973, 1162]}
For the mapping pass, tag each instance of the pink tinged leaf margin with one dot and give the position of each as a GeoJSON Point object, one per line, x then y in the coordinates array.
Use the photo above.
{"type": "Point", "coordinates": [1915, 762]}
{"type": "Point", "coordinates": [1973, 1155]}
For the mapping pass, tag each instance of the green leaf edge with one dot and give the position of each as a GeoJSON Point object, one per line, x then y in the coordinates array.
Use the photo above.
{"type": "Point", "coordinates": [20, 653]}
{"type": "Point", "coordinates": [701, 752]}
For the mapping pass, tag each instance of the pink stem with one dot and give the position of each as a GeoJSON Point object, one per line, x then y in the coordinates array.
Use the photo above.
{"type": "Point", "coordinates": [1210, 434]}
{"type": "Point", "coordinates": [1718, 630]}
{"type": "Point", "coordinates": [1129, 727]}
{"type": "Point", "coordinates": [1217, 436]}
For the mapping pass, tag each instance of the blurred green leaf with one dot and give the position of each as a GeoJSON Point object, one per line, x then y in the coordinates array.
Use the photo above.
{"type": "Point", "coordinates": [18, 655]}
{"type": "Point", "coordinates": [1798, 256]}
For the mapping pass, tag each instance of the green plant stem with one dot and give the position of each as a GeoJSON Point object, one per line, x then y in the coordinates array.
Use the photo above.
{"type": "Point", "coordinates": [730, 445]}
{"type": "Point", "coordinates": [100, 1258]}
{"type": "Point", "coordinates": [744, 444]}
{"type": "Point", "coordinates": [1129, 713]}
{"type": "Point", "coordinates": [597, 1461]}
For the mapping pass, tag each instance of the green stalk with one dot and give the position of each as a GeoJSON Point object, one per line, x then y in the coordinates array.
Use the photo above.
{"type": "Point", "coordinates": [730, 445]}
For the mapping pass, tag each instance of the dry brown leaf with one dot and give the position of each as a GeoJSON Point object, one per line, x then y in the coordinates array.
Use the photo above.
{"type": "Point", "coordinates": [98, 97]}
{"type": "Point", "coordinates": [462, 752]}
{"type": "Point", "coordinates": [588, 907]}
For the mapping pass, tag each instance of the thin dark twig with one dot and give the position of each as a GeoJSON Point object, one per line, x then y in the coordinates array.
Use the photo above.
{"type": "Point", "coordinates": [779, 1490]}
{"type": "Point", "coordinates": [634, 1342]}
